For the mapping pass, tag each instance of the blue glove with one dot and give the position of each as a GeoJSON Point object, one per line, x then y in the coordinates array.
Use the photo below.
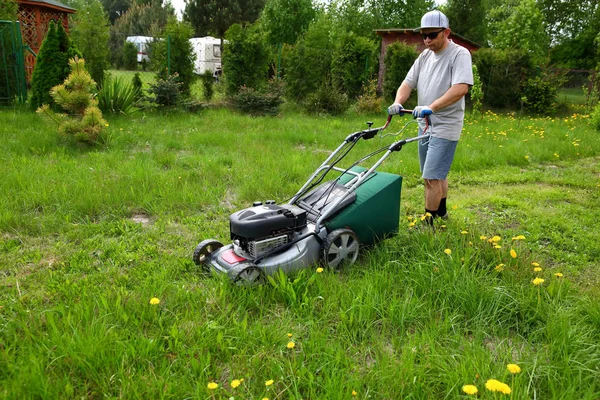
{"type": "Point", "coordinates": [394, 109]}
{"type": "Point", "coordinates": [422, 111]}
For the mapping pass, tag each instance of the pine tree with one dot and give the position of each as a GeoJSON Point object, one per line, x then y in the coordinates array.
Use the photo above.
{"type": "Point", "coordinates": [83, 119]}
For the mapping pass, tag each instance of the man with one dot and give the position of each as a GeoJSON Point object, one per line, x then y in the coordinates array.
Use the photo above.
{"type": "Point", "coordinates": [442, 75]}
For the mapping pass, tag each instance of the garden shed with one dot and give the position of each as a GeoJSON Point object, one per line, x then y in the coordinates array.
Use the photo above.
{"type": "Point", "coordinates": [35, 16]}
{"type": "Point", "coordinates": [408, 36]}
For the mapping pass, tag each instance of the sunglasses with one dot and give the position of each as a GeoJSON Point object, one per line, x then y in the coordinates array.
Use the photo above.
{"type": "Point", "coordinates": [431, 35]}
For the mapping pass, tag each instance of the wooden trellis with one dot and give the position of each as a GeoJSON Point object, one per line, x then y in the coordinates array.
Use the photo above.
{"type": "Point", "coordinates": [35, 16]}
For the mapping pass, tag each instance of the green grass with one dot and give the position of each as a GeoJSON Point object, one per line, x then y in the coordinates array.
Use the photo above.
{"type": "Point", "coordinates": [89, 235]}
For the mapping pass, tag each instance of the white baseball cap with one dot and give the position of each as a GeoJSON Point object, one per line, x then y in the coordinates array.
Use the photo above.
{"type": "Point", "coordinates": [433, 19]}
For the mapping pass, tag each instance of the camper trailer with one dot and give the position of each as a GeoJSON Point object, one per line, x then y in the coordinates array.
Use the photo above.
{"type": "Point", "coordinates": [142, 43]}
{"type": "Point", "coordinates": [208, 55]}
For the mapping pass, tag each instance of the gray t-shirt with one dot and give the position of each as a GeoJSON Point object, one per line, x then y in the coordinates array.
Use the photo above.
{"type": "Point", "coordinates": [432, 75]}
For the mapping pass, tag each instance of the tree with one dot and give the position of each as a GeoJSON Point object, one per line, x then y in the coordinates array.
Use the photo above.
{"type": "Point", "coordinates": [9, 10]}
{"type": "Point", "coordinates": [115, 8]}
{"type": "Point", "coordinates": [91, 32]}
{"type": "Point", "coordinates": [284, 20]}
{"type": "Point", "coordinates": [467, 18]}
{"type": "Point", "coordinates": [52, 64]}
{"type": "Point", "coordinates": [214, 17]}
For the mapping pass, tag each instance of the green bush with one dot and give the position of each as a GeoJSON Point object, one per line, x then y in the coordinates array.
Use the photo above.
{"type": "Point", "coordinates": [595, 117]}
{"type": "Point", "coordinates": [399, 57]}
{"type": "Point", "coordinates": [117, 96]}
{"type": "Point", "coordinates": [165, 92]}
{"type": "Point", "coordinates": [539, 93]}
{"type": "Point", "coordinates": [177, 35]}
{"type": "Point", "coordinates": [9, 10]}
{"type": "Point", "coordinates": [245, 59]}
{"type": "Point", "coordinates": [208, 81]}
{"type": "Point", "coordinates": [353, 63]}
{"type": "Point", "coordinates": [368, 101]}
{"type": "Point", "coordinates": [308, 62]}
{"type": "Point", "coordinates": [327, 99]}
{"type": "Point", "coordinates": [502, 74]}
{"type": "Point", "coordinates": [264, 101]}
{"type": "Point", "coordinates": [129, 53]}
{"type": "Point", "coordinates": [476, 92]}
{"type": "Point", "coordinates": [52, 65]}
{"type": "Point", "coordinates": [136, 82]}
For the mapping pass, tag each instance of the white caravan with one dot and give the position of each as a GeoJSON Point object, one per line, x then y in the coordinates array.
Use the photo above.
{"type": "Point", "coordinates": [208, 55]}
{"type": "Point", "coordinates": [142, 43]}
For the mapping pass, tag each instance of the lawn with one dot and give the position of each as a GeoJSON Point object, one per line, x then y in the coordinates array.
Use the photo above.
{"type": "Point", "coordinates": [88, 236]}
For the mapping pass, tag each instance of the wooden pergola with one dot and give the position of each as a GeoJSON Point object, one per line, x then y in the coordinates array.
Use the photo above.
{"type": "Point", "coordinates": [35, 16]}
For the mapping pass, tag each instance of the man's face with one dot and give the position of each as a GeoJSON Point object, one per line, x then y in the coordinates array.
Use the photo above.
{"type": "Point", "coordinates": [438, 42]}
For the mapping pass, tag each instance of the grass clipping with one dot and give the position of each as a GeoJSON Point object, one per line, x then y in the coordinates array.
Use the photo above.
{"type": "Point", "coordinates": [83, 119]}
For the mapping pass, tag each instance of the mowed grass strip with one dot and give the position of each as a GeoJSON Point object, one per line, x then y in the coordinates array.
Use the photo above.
{"type": "Point", "coordinates": [88, 236]}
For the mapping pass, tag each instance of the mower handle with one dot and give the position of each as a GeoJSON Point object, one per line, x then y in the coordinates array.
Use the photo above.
{"type": "Point", "coordinates": [405, 111]}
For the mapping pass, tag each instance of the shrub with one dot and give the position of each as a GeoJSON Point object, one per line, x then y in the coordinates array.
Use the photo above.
{"type": "Point", "coordinates": [136, 82]}
{"type": "Point", "coordinates": [399, 57]}
{"type": "Point", "coordinates": [265, 101]}
{"type": "Point", "coordinates": [476, 92]}
{"type": "Point", "coordinates": [353, 63]}
{"type": "Point", "coordinates": [369, 102]}
{"type": "Point", "coordinates": [326, 99]}
{"type": "Point", "coordinates": [595, 117]}
{"type": "Point", "coordinates": [165, 92]}
{"type": "Point", "coordinates": [9, 10]}
{"type": "Point", "coordinates": [117, 96]}
{"type": "Point", "coordinates": [84, 120]}
{"type": "Point", "coordinates": [129, 54]}
{"type": "Point", "coordinates": [208, 81]}
{"type": "Point", "coordinates": [502, 74]}
{"type": "Point", "coordinates": [52, 65]}
{"type": "Point", "coordinates": [539, 93]}
{"type": "Point", "coordinates": [245, 59]}
{"type": "Point", "coordinates": [592, 89]}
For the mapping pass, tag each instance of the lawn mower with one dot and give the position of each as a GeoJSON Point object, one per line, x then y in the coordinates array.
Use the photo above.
{"type": "Point", "coordinates": [324, 222]}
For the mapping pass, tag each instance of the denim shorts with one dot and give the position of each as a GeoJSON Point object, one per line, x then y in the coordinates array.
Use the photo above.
{"type": "Point", "coordinates": [436, 156]}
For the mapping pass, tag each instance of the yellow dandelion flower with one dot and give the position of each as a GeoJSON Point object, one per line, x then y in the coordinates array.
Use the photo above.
{"type": "Point", "coordinates": [265, 398]}
{"type": "Point", "coordinates": [513, 253]}
{"type": "Point", "coordinates": [499, 267]}
{"type": "Point", "coordinates": [454, 207]}
{"type": "Point", "coordinates": [537, 269]}
{"type": "Point", "coordinates": [558, 275]}
{"type": "Point", "coordinates": [496, 239]}
{"type": "Point", "coordinates": [106, 125]}
{"type": "Point", "coordinates": [470, 389]}
{"type": "Point", "coordinates": [448, 251]}
{"type": "Point", "coordinates": [235, 383]}
{"type": "Point", "coordinates": [497, 246]}
{"type": "Point", "coordinates": [269, 382]}
{"type": "Point", "coordinates": [513, 368]}
{"type": "Point", "coordinates": [519, 237]}
{"type": "Point", "coordinates": [212, 385]}
{"type": "Point", "coordinates": [464, 232]}
{"type": "Point", "coordinates": [291, 345]}
{"type": "Point", "coordinates": [290, 335]}
{"type": "Point", "coordinates": [527, 157]}
{"type": "Point", "coordinates": [354, 393]}
{"type": "Point", "coordinates": [494, 385]}
{"type": "Point", "coordinates": [535, 264]}
{"type": "Point", "coordinates": [482, 237]}
{"type": "Point", "coordinates": [537, 281]}
{"type": "Point", "coordinates": [154, 301]}
{"type": "Point", "coordinates": [319, 270]}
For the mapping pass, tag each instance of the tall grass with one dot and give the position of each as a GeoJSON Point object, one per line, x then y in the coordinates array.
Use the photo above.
{"type": "Point", "coordinates": [89, 235]}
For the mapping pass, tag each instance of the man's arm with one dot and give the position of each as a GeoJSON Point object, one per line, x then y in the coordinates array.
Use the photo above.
{"type": "Point", "coordinates": [452, 95]}
{"type": "Point", "coordinates": [403, 93]}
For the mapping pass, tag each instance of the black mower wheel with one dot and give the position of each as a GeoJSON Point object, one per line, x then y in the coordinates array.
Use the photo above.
{"type": "Point", "coordinates": [203, 250]}
{"type": "Point", "coordinates": [340, 249]}
{"type": "Point", "coordinates": [250, 275]}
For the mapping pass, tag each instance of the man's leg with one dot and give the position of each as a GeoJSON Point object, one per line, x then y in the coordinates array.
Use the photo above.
{"type": "Point", "coordinates": [434, 191]}
{"type": "Point", "coordinates": [436, 158]}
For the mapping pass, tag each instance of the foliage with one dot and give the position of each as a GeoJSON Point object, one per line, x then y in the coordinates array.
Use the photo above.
{"type": "Point", "coordinates": [215, 17]}
{"type": "Point", "coordinates": [83, 120]}
{"type": "Point", "coordinates": [368, 101]}
{"type": "Point", "coordinates": [118, 96]}
{"type": "Point", "coordinates": [468, 18]}
{"type": "Point", "coordinates": [308, 62]}
{"type": "Point", "coordinates": [595, 117]}
{"type": "Point", "coordinates": [129, 56]}
{"type": "Point", "coordinates": [354, 62]}
{"type": "Point", "coordinates": [502, 73]}
{"type": "Point", "coordinates": [245, 58]}
{"type": "Point", "coordinates": [136, 82]}
{"type": "Point", "coordinates": [165, 92]}
{"type": "Point", "coordinates": [115, 8]}
{"type": "Point", "coordinates": [539, 92]}
{"type": "Point", "coordinates": [476, 92]}
{"type": "Point", "coordinates": [519, 25]}
{"type": "Point", "coordinates": [592, 89]}
{"type": "Point", "coordinates": [263, 101]}
{"type": "Point", "coordinates": [52, 64]}
{"type": "Point", "coordinates": [285, 20]}
{"type": "Point", "coordinates": [399, 57]}
{"type": "Point", "coordinates": [90, 34]}
{"type": "Point", "coordinates": [566, 20]}
{"type": "Point", "coordinates": [208, 81]}
{"type": "Point", "coordinates": [9, 10]}
{"type": "Point", "coordinates": [176, 45]}
{"type": "Point", "coordinates": [327, 99]}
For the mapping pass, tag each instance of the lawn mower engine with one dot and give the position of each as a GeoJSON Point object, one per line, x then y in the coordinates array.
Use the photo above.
{"type": "Point", "coordinates": [259, 229]}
